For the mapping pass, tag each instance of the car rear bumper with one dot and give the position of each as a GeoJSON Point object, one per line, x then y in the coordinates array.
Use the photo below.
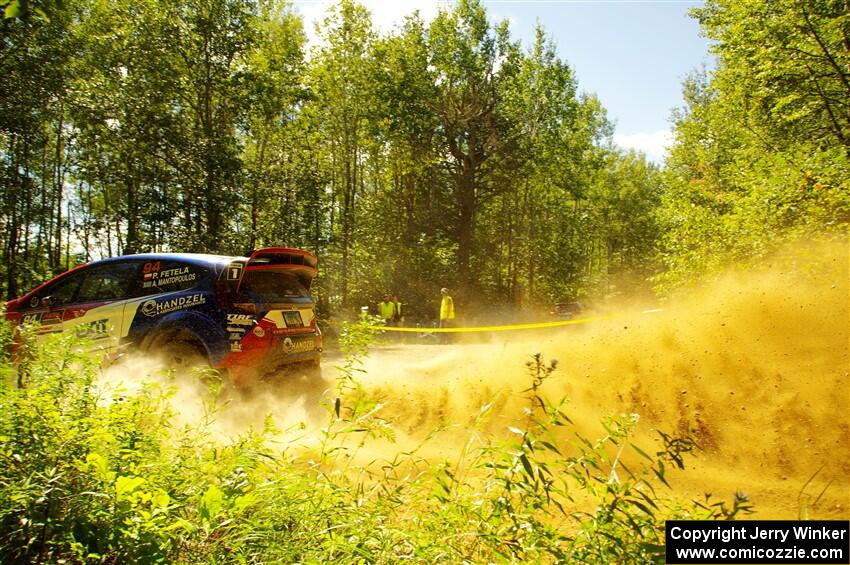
{"type": "Point", "coordinates": [259, 357]}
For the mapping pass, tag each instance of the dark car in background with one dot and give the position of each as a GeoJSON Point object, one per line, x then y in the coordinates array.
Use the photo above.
{"type": "Point", "coordinates": [248, 315]}
{"type": "Point", "coordinates": [566, 310]}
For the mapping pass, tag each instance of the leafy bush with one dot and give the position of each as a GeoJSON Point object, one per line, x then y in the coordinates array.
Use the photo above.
{"type": "Point", "coordinates": [771, 200]}
{"type": "Point", "coordinates": [92, 476]}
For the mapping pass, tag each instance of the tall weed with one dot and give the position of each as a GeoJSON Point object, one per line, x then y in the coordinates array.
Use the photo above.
{"type": "Point", "coordinates": [90, 475]}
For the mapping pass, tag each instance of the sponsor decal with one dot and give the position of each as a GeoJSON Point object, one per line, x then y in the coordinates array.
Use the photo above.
{"type": "Point", "coordinates": [236, 346]}
{"type": "Point", "coordinates": [48, 322]}
{"type": "Point", "coordinates": [168, 277]}
{"type": "Point", "coordinates": [299, 346]}
{"type": "Point", "coordinates": [240, 320]}
{"type": "Point", "coordinates": [52, 318]}
{"type": "Point", "coordinates": [259, 331]}
{"type": "Point", "coordinates": [149, 308]}
{"type": "Point", "coordinates": [97, 329]}
{"type": "Point", "coordinates": [153, 308]}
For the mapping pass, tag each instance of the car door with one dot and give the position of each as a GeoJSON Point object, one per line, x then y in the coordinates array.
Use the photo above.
{"type": "Point", "coordinates": [163, 286]}
{"type": "Point", "coordinates": [96, 312]}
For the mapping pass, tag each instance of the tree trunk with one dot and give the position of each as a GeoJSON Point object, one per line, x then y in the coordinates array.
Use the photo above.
{"type": "Point", "coordinates": [12, 229]}
{"type": "Point", "coordinates": [60, 181]}
{"type": "Point", "coordinates": [132, 245]}
{"type": "Point", "coordinates": [466, 202]}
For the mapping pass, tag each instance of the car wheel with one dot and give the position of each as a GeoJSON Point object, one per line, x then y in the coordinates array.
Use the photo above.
{"type": "Point", "coordinates": [313, 368]}
{"type": "Point", "coordinates": [180, 352]}
{"type": "Point", "coordinates": [301, 370]}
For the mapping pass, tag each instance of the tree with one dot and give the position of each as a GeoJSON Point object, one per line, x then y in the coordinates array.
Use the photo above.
{"type": "Point", "coordinates": [788, 61]}
{"type": "Point", "coordinates": [340, 80]}
{"type": "Point", "coordinates": [35, 55]}
{"type": "Point", "coordinates": [471, 61]}
{"type": "Point", "coordinates": [128, 125]}
{"type": "Point", "coordinates": [761, 154]}
{"type": "Point", "coordinates": [214, 41]}
{"type": "Point", "coordinates": [274, 171]}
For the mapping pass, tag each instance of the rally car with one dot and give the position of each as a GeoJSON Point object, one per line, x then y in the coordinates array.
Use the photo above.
{"type": "Point", "coordinates": [247, 315]}
{"type": "Point", "coordinates": [566, 310]}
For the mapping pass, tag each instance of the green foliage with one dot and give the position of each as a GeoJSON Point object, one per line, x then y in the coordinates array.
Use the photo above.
{"type": "Point", "coordinates": [35, 62]}
{"type": "Point", "coordinates": [761, 151]}
{"type": "Point", "coordinates": [26, 10]}
{"type": "Point", "coordinates": [90, 474]}
{"type": "Point", "coordinates": [788, 196]}
{"type": "Point", "coordinates": [440, 154]}
{"type": "Point", "coordinates": [786, 61]}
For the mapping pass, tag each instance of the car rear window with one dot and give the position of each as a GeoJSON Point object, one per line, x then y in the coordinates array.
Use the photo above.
{"type": "Point", "coordinates": [271, 286]}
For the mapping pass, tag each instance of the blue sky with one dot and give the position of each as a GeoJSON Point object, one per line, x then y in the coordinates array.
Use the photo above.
{"type": "Point", "coordinates": [632, 54]}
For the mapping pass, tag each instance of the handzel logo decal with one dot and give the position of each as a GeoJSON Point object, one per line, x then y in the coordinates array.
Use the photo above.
{"type": "Point", "coordinates": [290, 346]}
{"type": "Point", "coordinates": [153, 308]}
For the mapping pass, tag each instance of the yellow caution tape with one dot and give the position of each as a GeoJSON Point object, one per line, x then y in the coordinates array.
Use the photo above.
{"type": "Point", "coordinates": [513, 327]}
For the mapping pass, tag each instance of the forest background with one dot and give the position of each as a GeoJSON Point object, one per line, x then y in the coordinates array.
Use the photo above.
{"type": "Point", "coordinates": [442, 153]}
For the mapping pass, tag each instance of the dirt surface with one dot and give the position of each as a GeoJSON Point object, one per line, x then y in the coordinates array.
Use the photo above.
{"type": "Point", "coordinates": [756, 365]}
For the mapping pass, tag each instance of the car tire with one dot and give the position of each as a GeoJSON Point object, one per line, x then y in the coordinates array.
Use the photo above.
{"type": "Point", "coordinates": [313, 368]}
{"type": "Point", "coordinates": [180, 351]}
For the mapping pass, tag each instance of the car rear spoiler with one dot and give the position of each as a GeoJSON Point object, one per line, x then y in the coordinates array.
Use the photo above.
{"type": "Point", "coordinates": [302, 264]}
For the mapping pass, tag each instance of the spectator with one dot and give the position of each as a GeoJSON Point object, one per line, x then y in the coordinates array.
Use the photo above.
{"type": "Point", "coordinates": [386, 310]}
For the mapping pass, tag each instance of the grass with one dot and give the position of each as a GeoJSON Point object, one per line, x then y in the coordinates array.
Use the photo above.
{"type": "Point", "coordinates": [87, 478]}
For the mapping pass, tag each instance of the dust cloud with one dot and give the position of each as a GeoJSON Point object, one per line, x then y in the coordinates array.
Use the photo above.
{"type": "Point", "coordinates": [199, 398]}
{"type": "Point", "coordinates": [755, 364]}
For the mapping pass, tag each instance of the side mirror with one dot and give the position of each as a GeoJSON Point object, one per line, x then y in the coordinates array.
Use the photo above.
{"type": "Point", "coordinates": [47, 301]}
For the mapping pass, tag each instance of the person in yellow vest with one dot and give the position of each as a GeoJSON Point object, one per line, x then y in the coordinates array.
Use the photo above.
{"type": "Point", "coordinates": [386, 310]}
{"type": "Point", "coordinates": [398, 317]}
{"type": "Point", "coordinates": [447, 312]}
